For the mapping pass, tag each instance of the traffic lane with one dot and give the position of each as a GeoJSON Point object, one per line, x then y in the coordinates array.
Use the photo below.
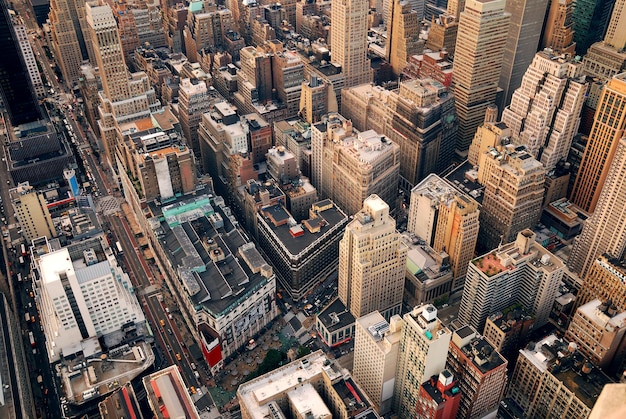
{"type": "Point", "coordinates": [130, 256]}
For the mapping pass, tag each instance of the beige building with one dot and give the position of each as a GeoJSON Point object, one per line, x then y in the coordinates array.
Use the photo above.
{"type": "Point", "coordinates": [372, 261]}
{"type": "Point", "coordinates": [490, 134]}
{"type": "Point", "coordinates": [605, 231]}
{"type": "Point", "coordinates": [193, 101]}
{"type": "Point", "coordinates": [423, 351]}
{"type": "Point", "coordinates": [376, 346]}
{"type": "Point", "coordinates": [348, 39]}
{"type": "Point", "coordinates": [312, 386]}
{"type": "Point", "coordinates": [481, 39]}
{"type": "Point", "coordinates": [348, 166]}
{"type": "Point", "coordinates": [31, 212]}
{"type": "Point", "coordinates": [598, 329]}
{"type": "Point", "coordinates": [522, 271]}
{"type": "Point", "coordinates": [605, 280]}
{"type": "Point", "coordinates": [447, 220]}
{"type": "Point", "coordinates": [541, 388]}
{"type": "Point", "coordinates": [317, 99]}
{"type": "Point", "coordinates": [514, 188]}
{"type": "Point", "coordinates": [544, 113]}
{"type": "Point", "coordinates": [558, 32]}
{"type": "Point", "coordinates": [507, 330]}
{"type": "Point", "coordinates": [443, 33]}
{"type": "Point", "coordinates": [402, 34]}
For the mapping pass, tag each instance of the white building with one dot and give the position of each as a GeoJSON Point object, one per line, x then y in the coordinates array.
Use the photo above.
{"type": "Point", "coordinates": [82, 296]}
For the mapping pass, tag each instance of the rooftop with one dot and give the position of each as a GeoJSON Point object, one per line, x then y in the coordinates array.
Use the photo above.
{"type": "Point", "coordinates": [168, 395]}
{"type": "Point", "coordinates": [335, 316]}
{"type": "Point", "coordinates": [464, 178]}
{"type": "Point", "coordinates": [510, 316]}
{"type": "Point", "coordinates": [562, 360]}
{"type": "Point", "coordinates": [121, 404]}
{"type": "Point", "coordinates": [475, 347]}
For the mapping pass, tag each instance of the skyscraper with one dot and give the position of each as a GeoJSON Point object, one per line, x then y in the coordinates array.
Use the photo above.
{"type": "Point", "coordinates": [372, 261]}
{"type": "Point", "coordinates": [193, 101]}
{"type": "Point", "coordinates": [590, 18]}
{"type": "Point", "coordinates": [348, 38]}
{"type": "Point", "coordinates": [16, 89]}
{"type": "Point", "coordinates": [524, 31]}
{"type": "Point", "coordinates": [605, 280]}
{"type": "Point", "coordinates": [558, 33]}
{"type": "Point", "coordinates": [545, 110]}
{"type": "Point", "coordinates": [605, 231]}
{"type": "Point", "coordinates": [402, 35]}
{"type": "Point", "coordinates": [423, 351]}
{"type": "Point", "coordinates": [522, 271]}
{"type": "Point", "coordinates": [607, 129]}
{"type": "Point", "coordinates": [31, 212]}
{"type": "Point", "coordinates": [447, 220]}
{"type": "Point", "coordinates": [481, 39]}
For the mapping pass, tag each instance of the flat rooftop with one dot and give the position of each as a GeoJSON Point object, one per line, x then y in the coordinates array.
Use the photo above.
{"type": "Point", "coordinates": [121, 404]}
{"type": "Point", "coordinates": [464, 179]}
{"type": "Point", "coordinates": [168, 396]}
{"type": "Point", "coordinates": [484, 357]}
{"type": "Point", "coordinates": [335, 316]}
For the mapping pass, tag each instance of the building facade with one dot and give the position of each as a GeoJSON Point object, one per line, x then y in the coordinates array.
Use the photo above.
{"type": "Point", "coordinates": [31, 210]}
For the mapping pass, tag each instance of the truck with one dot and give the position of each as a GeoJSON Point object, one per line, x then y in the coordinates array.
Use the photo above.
{"type": "Point", "coordinates": [23, 249]}
{"type": "Point", "coordinates": [120, 251]}
{"type": "Point", "coordinates": [31, 337]}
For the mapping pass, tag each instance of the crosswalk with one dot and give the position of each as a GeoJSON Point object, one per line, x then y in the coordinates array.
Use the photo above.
{"type": "Point", "coordinates": [108, 205]}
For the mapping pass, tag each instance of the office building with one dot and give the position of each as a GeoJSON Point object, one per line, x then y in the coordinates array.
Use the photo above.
{"type": "Point", "coordinates": [598, 329]}
{"type": "Point", "coordinates": [558, 31]}
{"type": "Point", "coordinates": [443, 32]}
{"type": "Point", "coordinates": [124, 97]}
{"type": "Point", "coordinates": [590, 19]}
{"type": "Point", "coordinates": [481, 40]}
{"type": "Point", "coordinates": [312, 386]}
{"type": "Point", "coordinates": [507, 210]}
{"type": "Point", "coordinates": [288, 77]}
{"type": "Point", "coordinates": [423, 350]}
{"type": "Point", "coordinates": [348, 38]}
{"type": "Point", "coordinates": [428, 277]}
{"type": "Point", "coordinates": [490, 134]}
{"type": "Point", "coordinates": [522, 271]}
{"type": "Point", "coordinates": [507, 330]}
{"type": "Point", "coordinates": [525, 26]}
{"type": "Point", "coordinates": [553, 379]}
{"type": "Point", "coordinates": [224, 283]}
{"type": "Point", "coordinates": [402, 35]}
{"type": "Point", "coordinates": [419, 117]}
{"type": "Point", "coordinates": [168, 396]}
{"type": "Point", "coordinates": [348, 166]}
{"type": "Point", "coordinates": [604, 281]}
{"type": "Point", "coordinates": [609, 402]}
{"type": "Point", "coordinates": [83, 294]}
{"type": "Point", "coordinates": [317, 98]}
{"type": "Point", "coordinates": [372, 261]}
{"type": "Point", "coordinates": [429, 65]}
{"type": "Point", "coordinates": [16, 90]}
{"type": "Point", "coordinates": [206, 27]}
{"type": "Point", "coordinates": [480, 371]}
{"type": "Point", "coordinates": [29, 57]}
{"type": "Point", "coordinates": [31, 211]}
{"type": "Point", "coordinates": [376, 348]}
{"type": "Point", "coordinates": [447, 220]}
{"type": "Point", "coordinates": [259, 137]}
{"type": "Point", "coordinates": [193, 101]}
{"type": "Point", "coordinates": [70, 37]}
{"type": "Point", "coordinates": [603, 232]}
{"type": "Point", "coordinates": [122, 403]}
{"type": "Point", "coordinates": [16, 400]}
{"type": "Point", "coordinates": [439, 397]}
{"type": "Point", "coordinates": [303, 253]}
{"type": "Point", "coordinates": [544, 113]}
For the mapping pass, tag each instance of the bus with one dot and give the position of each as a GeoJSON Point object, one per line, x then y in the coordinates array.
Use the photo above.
{"type": "Point", "coordinates": [23, 250]}
{"type": "Point", "coordinates": [120, 251]}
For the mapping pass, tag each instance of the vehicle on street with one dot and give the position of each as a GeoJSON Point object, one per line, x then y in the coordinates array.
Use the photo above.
{"type": "Point", "coordinates": [178, 357]}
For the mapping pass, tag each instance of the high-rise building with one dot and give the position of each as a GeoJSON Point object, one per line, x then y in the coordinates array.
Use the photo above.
{"type": "Point", "coordinates": [70, 37]}
{"type": "Point", "coordinates": [443, 33]}
{"type": "Point", "coordinates": [544, 113]}
{"type": "Point", "coordinates": [31, 211]}
{"type": "Point", "coordinates": [598, 329]}
{"type": "Point", "coordinates": [527, 18]}
{"type": "Point", "coordinates": [29, 58]}
{"type": "Point", "coordinates": [605, 280]}
{"type": "Point", "coordinates": [447, 220]}
{"type": "Point", "coordinates": [259, 137]}
{"type": "Point", "coordinates": [317, 98]}
{"type": "Point", "coordinates": [348, 40]}
{"type": "Point", "coordinates": [376, 346]}
{"type": "Point", "coordinates": [490, 134]}
{"type": "Point", "coordinates": [514, 188]}
{"type": "Point", "coordinates": [169, 381]}
{"type": "Point", "coordinates": [542, 385]}
{"type": "Point", "coordinates": [402, 35]}
{"type": "Point", "coordinates": [16, 89]}
{"type": "Point", "coordinates": [372, 261]}
{"type": "Point", "coordinates": [419, 117]}
{"type": "Point", "coordinates": [124, 96]}
{"type": "Point", "coordinates": [439, 397]}
{"type": "Point", "coordinates": [507, 330]}
{"type": "Point", "coordinates": [482, 36]}
{"type": "Point", "coordinates": [288, 73]}
{"type": "Point", "coordinates": [604, 231]}
{"type": "Point", "coordinates": [83, 294]}
{"type": "Point", "coordinates": [558, 33]}
{"type": "Point", "coordinates": [590, 19]}
{"type": "Point", "coordinates": [423, 350]}
{"type": "Point", "coordinates": [522, 271]}
{"type": "Point", "coordinates": [480, 371]}
{"type": "Point", "coordinates": [193, 101]}
{"type": "Point", "coordinates": [349, 165]}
